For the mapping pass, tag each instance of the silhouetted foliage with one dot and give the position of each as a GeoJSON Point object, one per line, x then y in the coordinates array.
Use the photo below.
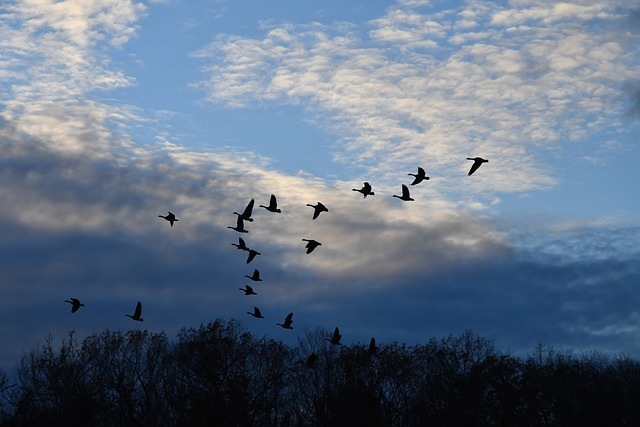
{"type": "Point", "coordinates": [219, 374]}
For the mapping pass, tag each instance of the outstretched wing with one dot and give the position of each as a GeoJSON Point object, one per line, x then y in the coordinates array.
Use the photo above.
{"type": "Point", "coordinates": [138, 311]}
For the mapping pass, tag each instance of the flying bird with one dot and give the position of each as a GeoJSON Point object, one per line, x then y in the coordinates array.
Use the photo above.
{"type": "Point", "coordinates": [169, 217]}
{"type": "Point", "coordinates": [241, 244]}
{"type": "Point", "coordinates": [75, 304]}
{"type": "Point", "coordinates": [248, 291]}
{"type": "Point", "coordinates": [252, 255]}
{"type": "Point", "coordinates": [477, 161]}
{"type": "Point", "coordinates": [311, 245]}
{"type": "Point", "coordinates": [137, 313]}
{"type": "Point", "coordinates": [365, 190]}
{"type": "Point", "coordinates": [311, 360]}
{"type": "Point", "coordinates": [273, 205]}
{"type": "Point", "coordinates": [246, 215]}
{"type": "Point", "coordinates": [255, 277]}
{"type": "Point", "coordinates": [256, 313]}
{"type": "Point", "coordinates": [405, 194]}
{"type": "Point", "coordinates": [419, 177]}
{"type": "Point", "coordinates": [335, 338]}
{"type": "Point", "coordinates": [287, 322]}
{"type": "Point", "coordinates": [317, 209]}
{"type": "Point", "coordinates": [239, 226]}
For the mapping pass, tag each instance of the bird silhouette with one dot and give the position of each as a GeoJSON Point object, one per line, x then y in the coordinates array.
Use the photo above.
{"type": "Point", "coordinates": [273, 205]}
{"type": "Point", "coordinates": [252, 255]}
{"type": "Point", "coordinates": [248, 291]}
{"type": "Point", "coordinates": [287, 322]}
{"type": "Point", "coordinates": [335, 338]}
{"type": "Point", "coordinates": [169, 217]}
{"type": "Point", "coordinates": [311, 360]}
{"type": "Point", "coordinates": [317, 209]}
{"type": "Point", "coordinates": [137, 313]}
{"type": "Point", "coordinates": [246, 215]}
{"type": "Point", "coordinates": [419, 177]}
{"type": "Point", "coordinates": [75, 304]}
{"type": "Point", "coordinates": [405, 194]}
{"type": "Point", "coordinates": [311, 245]}
{"type": "Point", "coordinates": [241, 244]}
{"type": "Point", "coordinates": [255, 277]}
{"type": "Point", "coordinates": [256, 313]}
{"type": "Point", "coordinates": [477, 162]}
{"type": "Point", "coordinates": [239, 226]}
{"type": "Point", "coordinates": [365, 190]}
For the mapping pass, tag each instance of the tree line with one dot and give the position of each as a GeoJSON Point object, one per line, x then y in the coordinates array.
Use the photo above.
{"type": "Point", "coordinates": [221, 375]}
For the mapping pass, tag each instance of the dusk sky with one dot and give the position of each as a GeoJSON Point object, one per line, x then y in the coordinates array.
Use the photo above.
{"type": "Point", "coordinates": [113, 112]}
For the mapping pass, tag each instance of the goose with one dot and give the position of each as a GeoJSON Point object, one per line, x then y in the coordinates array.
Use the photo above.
{"type": "Point", "coordinates": [241, 245]}
{"type": "Point", "coordinates": [75, 304]}
{"type": "Point", "coordinates": [273, 205]}
{"type": "Point", "coordinates": [311, 360]}
{"type": "Point", "coordinates": [169, 217]}
{"type": "Point", "coordinates": [246, 215]}
{"type": "Point", "coordinates": [248, 291]}
{"type": "Point", "coordinates": [317, 209]}
{"type": "Point", "coordinates": [477, 161]}
{"type": "Point", "coordinates": [287, 322]}
{"type": "Point", "coordinates": [311, 245]}
{"type": "Point", "coordinates": [255, 277]}
{"type": "Point", "coordinates": [137, 313]}
{"type": "Point", "coordinates": [419, 177]}
{"type": "Point", "coordinates": [239, 226]}
{"type": "Point", "coordinates": [335, 338]}
{"type": "Point", "coordinates": [252, 255]}
{"type": "Point", "coordinates": [405, 194]}
{"type": "Point", "coordinates": [365, 190]}
{"type": "Point", "coordinates": [256, 313]}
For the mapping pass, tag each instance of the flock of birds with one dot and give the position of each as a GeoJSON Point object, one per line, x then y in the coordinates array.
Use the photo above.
{"type": "Point", "coordinates": [310, 246]}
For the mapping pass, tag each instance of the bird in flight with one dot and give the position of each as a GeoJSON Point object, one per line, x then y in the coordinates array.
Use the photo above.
{"type": "Point", "coordinates": [252, 255]}
{"type": "Point", "coordinates": [311, 245]}
{"type": "Point", "coordinates": [246, 214]}
{"type": "Point", "coordinates": [75, 304]}
{"type": "Point", "coordinates": [365, 190]}
{"type": "Point", "coordinates": [311, 360]}
{"type": "Point", "coordinates": [256, 313]}
{"type": "Point", "coordinates": [255, 277]}
{"type": "Point", "coordinates": [169, 217]}
{"type": "Point", "coordinates": [241, 244]}
{"type": "Point", "coordinates": [287, 322]}
{"type": "Point", "coordinates": [239, 226]}
{"type": "Point", "coordinates": [137, 313]}
{"type": "Point", "coordinates": [273, 205]}
{"type": "Point", "coordinates": [419, 177]}
{"type": "Point", "coordinates": [317, 209]}
{"type": "Point", "coordinates": [248, 291]}
{"type": "Point", "coordinates": [405, 194]}
{"type": "Point", "coordinates": [477, 161]}
{"type": "Point", "coordinates": [335, 338]}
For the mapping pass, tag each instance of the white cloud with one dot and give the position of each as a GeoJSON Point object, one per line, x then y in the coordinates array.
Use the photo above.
{"type": "Point", "coordinates": [501, 93]}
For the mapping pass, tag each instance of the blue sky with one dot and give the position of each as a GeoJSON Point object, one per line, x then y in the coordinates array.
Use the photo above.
{"type": "Point", "coordinates": [113, 112]}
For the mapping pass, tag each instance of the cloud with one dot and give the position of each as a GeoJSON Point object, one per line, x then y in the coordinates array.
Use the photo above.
{"type": "Point", "coordinates": [414, 87]}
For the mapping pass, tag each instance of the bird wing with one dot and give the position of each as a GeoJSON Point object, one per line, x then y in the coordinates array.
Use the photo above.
{"type": "Point", "coordinates": [256, 311]}
{"type": "Point", "coordinates": [289, 319]}
{"type": "Point", "coordinates": [367, 187]}
{"type": "Point", "coordinates": [405, 192]}
{"type": "Point", "coordinates": [421, 172]}
{"type": "Point", "coordinates": [249, 289]}
{"type": "Point", "coordinates": [252, 255]}
{"type": "Point", "coordinates": [336, 335]}
{"type": "Point", "coordinates": [248, 210]}
{"type": "Point", "coordinates": [474, 167]}
{"type": "Point", "coordinates": [273, 203]}
{"type": "Point", "coordinates": [138, 311]}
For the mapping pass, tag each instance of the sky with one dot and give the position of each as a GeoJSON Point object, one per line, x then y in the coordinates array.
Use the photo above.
{"type": "Point", "coordinates": [113, 112]}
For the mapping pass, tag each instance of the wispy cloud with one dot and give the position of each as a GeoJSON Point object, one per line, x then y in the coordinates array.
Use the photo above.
{"type": "Point", "coordinates": [420, 86]}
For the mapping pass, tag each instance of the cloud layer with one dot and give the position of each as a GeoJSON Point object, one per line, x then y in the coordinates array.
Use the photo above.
{"type": "Point", "coordinates": [81, 196]}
